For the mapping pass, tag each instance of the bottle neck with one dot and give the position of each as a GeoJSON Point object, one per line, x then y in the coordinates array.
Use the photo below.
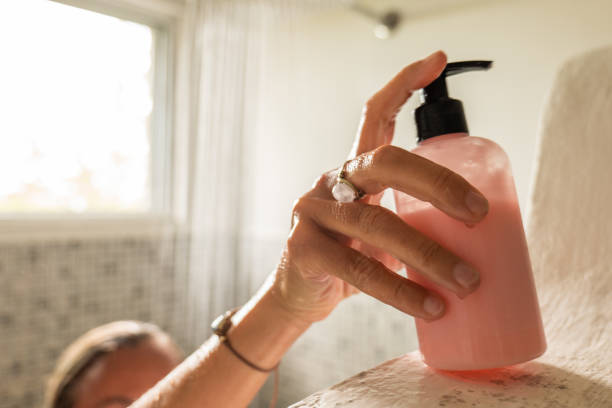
{"type": "Point", "coordinates": [440, 138]}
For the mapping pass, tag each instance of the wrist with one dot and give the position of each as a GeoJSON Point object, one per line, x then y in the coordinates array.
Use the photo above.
{"type": "Point", "coordinates": [263, 330]}
{"type": "Point", "coordinates": [280, 300]}
{"type": "Point", "coordinates": [283, 313]}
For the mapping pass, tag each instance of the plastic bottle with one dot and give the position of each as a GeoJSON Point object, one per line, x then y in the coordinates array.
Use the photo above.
{"type": "Point", "coordinates": [499, 324]}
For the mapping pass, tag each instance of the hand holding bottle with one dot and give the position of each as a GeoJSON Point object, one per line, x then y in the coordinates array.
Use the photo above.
{"type": "Point", "coordinates": [328, 255]}
{"type": "Point", "coordinates": [319, 267]}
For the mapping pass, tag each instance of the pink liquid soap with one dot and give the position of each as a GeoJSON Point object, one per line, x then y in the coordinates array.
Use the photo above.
{"type": "Point", "coordinates": [499, 324]}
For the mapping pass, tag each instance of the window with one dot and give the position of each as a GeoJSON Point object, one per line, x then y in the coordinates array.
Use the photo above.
{"type": "Point", "coordinates": [82, 124]}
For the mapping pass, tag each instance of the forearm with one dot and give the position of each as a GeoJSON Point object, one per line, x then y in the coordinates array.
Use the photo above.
{"type": "Point", "coordinates": [213, 376]}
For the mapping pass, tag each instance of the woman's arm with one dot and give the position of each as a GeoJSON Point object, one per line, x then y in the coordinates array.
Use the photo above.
{"type": "Point", "coordinates": [332, 252]}
{"type": "Point", "coordinates": [213, 376]}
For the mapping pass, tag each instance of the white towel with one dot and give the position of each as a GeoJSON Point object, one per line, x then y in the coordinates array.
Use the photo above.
{"type": "Point", "coordinates": [570, 217]}
{"type": "Point", "coordinates": [570, 237]}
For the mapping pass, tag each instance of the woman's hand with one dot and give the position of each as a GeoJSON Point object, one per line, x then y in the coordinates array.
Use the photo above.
{"type": "Point", "coordinates": [320, 265]}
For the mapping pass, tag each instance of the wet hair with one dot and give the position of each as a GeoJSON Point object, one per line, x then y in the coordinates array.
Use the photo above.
{"type": "Point", "coordinates": [85, 351]}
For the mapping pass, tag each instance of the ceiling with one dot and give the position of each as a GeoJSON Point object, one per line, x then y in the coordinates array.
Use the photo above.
{"type": "Point", "coordinates": [419, 7]}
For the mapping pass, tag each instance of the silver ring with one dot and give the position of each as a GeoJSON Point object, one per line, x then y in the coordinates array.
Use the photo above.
{"type": "Point", "coordinates": [344, 191]}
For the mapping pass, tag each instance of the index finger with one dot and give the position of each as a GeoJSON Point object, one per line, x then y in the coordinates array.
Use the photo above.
{"type": "Point", "coordinates": [378, 121]}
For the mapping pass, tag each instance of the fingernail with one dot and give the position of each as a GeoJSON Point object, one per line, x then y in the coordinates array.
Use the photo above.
{"type": "Point", "coordinates": [433, 306]}
{"type": "Point", "coordinates": [476, 203]}
{"type": "Point", "coordinates": [465, 275]}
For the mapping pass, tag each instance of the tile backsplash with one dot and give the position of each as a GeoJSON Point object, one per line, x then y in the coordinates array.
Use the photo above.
{"type": "Point", "coordinates": [51, 292]}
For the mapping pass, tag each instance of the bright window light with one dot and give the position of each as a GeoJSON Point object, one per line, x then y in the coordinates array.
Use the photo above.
{"type": "Point", "coordinates": [76, 98]}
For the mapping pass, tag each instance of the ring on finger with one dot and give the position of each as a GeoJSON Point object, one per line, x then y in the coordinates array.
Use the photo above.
{"type": "Point", "coordinates": [343, 190]}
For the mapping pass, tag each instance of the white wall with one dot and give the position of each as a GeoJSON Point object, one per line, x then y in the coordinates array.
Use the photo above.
{"type": "Point", "coordinates": [316, 75]}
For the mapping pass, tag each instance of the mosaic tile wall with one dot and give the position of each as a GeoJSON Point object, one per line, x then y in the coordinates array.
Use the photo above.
{"type": "Point", "coordinates": [52, 292]}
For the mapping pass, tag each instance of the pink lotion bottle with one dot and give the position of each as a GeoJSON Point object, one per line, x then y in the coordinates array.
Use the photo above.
{"type": "Point", "coordinates": [499, 324]}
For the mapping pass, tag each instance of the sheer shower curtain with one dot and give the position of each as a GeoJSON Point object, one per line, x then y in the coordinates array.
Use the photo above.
{"type": "Point", "coordinates": [221, 48]}
{"type": "Point", "coordinates": [217, 47]}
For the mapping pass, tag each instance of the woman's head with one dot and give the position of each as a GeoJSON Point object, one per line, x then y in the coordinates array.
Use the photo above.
{"type": "Point", "coordinates": [110, 366]}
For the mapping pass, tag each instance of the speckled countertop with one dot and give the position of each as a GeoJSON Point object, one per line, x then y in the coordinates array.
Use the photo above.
{"type": "Point", "coordinates": [407, 382]}
{"type": "Point", "coordinates": [570, 242]}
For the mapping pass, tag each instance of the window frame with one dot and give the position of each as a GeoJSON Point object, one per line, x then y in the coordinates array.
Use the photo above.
{"type": "Point", "coordinates": [164, 17]}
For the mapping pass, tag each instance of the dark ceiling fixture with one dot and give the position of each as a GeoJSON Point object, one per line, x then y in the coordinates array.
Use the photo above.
{"type": "Point", "coordinates": [386, 22]}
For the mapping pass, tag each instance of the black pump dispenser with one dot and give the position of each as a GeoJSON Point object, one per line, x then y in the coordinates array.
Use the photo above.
{"type": "Point", "coordinates": [439, 114]}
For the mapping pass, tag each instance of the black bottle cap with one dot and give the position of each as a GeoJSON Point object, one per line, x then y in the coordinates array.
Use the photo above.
{"type": "Point", "coordinates": [439, 114]}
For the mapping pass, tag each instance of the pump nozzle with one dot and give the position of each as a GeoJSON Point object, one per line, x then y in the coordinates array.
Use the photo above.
{"type": "Point", "coordinates": [465, 66]}
{"type": "Point", "coordinates": [439, 114]}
